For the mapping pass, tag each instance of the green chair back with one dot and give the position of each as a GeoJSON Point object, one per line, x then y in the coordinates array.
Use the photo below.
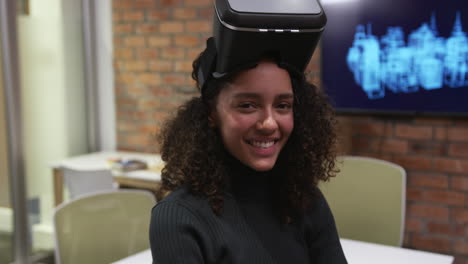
{"type": "Point", "coordinates": [102, 227]}
{"type": "Point", "coordinates": [367, 198]}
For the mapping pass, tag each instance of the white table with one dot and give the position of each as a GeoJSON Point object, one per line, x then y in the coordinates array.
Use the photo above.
{"type": "Point", "coordinates": [359, 252]}
{"type": "Point", "coordinates": [146, 179]}
{"type": "Point", "coordinates": [356, 252]}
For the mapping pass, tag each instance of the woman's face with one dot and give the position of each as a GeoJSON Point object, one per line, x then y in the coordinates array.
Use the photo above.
{"type": "Point", "coordinates": [254, 114]}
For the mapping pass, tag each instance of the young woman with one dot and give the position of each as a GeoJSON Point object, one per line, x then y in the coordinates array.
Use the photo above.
{"type": "Point", "coordinates": [243, 162]}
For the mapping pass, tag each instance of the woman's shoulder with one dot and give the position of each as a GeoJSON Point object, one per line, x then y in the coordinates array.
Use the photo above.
{"type": "Point", "coordinates": [181, 201]}
{"type": "Point", "coordinates": [319, 209]}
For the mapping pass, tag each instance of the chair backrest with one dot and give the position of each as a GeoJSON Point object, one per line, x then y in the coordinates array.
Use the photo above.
{"type": "Point", "coordinates": [368, 200]}
{"type": "Point", "coordinates": [102, 227]}
{"type": "Point", "coordinates": [81, 182]}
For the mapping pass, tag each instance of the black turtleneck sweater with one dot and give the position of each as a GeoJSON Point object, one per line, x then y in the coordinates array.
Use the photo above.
{"type": "Point", "coordinates": [185, 230]}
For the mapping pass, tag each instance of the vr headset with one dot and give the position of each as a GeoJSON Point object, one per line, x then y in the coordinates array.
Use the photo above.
{"type": "Point", "coordinates": [244, 31]}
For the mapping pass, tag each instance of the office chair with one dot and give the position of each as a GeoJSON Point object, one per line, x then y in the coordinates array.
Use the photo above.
{"type": "Point", "coordinates": [102, 227]}
{"type": "Point", "coordinates": [368, 200]}
{"type": "Point", "coordinates": [80, 182]}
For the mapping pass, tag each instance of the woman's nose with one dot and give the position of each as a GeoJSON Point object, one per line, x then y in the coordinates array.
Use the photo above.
{"type": "Point", "coordinates": [267, 122]}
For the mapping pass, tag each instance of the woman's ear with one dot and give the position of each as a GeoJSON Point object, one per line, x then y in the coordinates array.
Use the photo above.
{"type": "Point", "coordinates": [212, 119]}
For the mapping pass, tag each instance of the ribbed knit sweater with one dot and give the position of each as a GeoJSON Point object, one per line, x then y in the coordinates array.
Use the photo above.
{"type": "Point", "coordinates": [184, 229]}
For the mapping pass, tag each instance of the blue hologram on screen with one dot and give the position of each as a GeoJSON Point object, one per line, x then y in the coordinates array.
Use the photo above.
{"type": "Point", "coordinates": [426, 61]}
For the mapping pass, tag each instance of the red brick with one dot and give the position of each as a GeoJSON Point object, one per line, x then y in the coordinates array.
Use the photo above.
{"type": "Point", "coordinates": [459, 183]}
{"type": "Point", "coordinates": [134, 65]}
{"type": "Point", "coordinates": [172, 53]}
{"type": "Point", "coordinates": [429, 211]}
{"type": "Point", "coordinates": [125, 78]}
{"type": "Point", "coordinates": [461, 247]}
{"type": "Point", "coordinates": [159, 41]}
{"type": "Point", "coordinates": [413, 132]}
{"type": "Point", "coordinates": [199, 26]}
{"type": "Point", "coordinates": [146, 28]}
{"type": "Point", "coordinates": [149, 78]}
{"type": "Point", "coordinates": [413, 225]}
{"type": "Point", "coordinates": [118, 41]}
{"type": "Point", "coordinates": [187, 41]}
{"type": "Point", "coordinates": [158, 14]}
{"type": "Point", "coordinates": [436, 244]}
{"type": "Point", "coordinates": [412, 162]}
{"type": "Point", "coordinates": [171, 27]}
{"type": "Point", "coordinates": [389, 129]}
{"type": "Point", "coordinates": [184, 13]}
{"type": "Point", "coordinates": [136, 91]}
{"type": "Point", "coordinates": [136, 140]}
{"type": "Point", "coordinates": [169, 3]}
{"type": "Point", "coordinates": [161, 66]}
{"type": "Point", "coordinates": [183, 66]}
{"type": "Point", "coordinates": [174, 79]}
{"type": "Point", "coordinates": [116, 16]}
{"type": "Point", "coordinates": [161, 91]}
{"type": "Point", "coordinates": [364, 144]}
{"type": "Point", "coordinates": [433, 121]}
{"type": "Point", "coordinates": [461, 122]}
{"type": "Point", "coordinates": [459, 259]}
{"type": "Point", "coordinates": [207, 13]}
{"type": "Point", "coordinates": [429, 180]}
{"type": "Point", "coordinates": [458, 134]}
{"type": "Point", "coordinates": [451, 165]}
{"type": "Point", "coordinates": [427, 148]}
{"type": "Point", "coordinates": [125, 102]}
{"type": "Point", "coordinates": [369, 129]}
{"type": "Point", "coordinates": [449, 229]}
{"type": "Point", "coordinates": [160, 115]}
{"type": "Point", "coordinates": [126, 126]}
{"type": "Point", "coordinates": [133, 16]}
{"type": "Point", "coordinates": [147, 129]}
{"type": "Point", "coordinates": [144, 3]}
{"type": "Point", "coordinates": [132, 114]}
{"type": "Point", "coordinates": [123, 53]}
{"type": "Point", "coordinates": [122, 29]}
{"type": "Point", "coordinates": [394, 146]}
{"type": "Point", "coordinates": [193, 53]}
{"type": "Point", "coordinates": [135, 41]}
{"type": "Point", "coordinates": [444, 197]}
{"type": "Point", "coordinates": [458, 150]}
{"type": "Point", "coordinates": [460, 215]}
{"type": "Point", "coordinates": [147, 105]}
{"type": "Point", "coordinates": [147, 53]}
{"type": "Point", "coordinates": [121, 4]}
{"type": "Point", "coordinates": [441, 133]}
{"type": "Point", "coordinates": [414, 194]}
{"type": "Point", "coordinates": [198, 3]}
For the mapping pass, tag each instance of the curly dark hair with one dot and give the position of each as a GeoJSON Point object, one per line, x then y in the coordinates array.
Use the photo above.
{"type": "Point", "coordinates": [195, 155]}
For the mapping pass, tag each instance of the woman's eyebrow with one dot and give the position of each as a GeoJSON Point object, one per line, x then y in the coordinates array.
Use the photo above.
{"type": "Point", "coordinates": [256, 95]}
{"type": "Point", "coordinates": [285, 96]}
{"type": "Point", "coordinates": [246, 96]}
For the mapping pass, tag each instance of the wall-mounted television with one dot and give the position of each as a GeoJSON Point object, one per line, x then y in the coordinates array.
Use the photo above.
{"type": "Point", "coordinates": [396, 56]}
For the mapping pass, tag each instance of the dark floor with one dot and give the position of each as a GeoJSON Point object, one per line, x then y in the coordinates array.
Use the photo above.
{"type": "Point", "coordinates": [6, 252]}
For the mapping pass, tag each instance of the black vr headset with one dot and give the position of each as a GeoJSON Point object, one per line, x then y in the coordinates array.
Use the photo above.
{"type": "Point", "coordinates": [245, 31]}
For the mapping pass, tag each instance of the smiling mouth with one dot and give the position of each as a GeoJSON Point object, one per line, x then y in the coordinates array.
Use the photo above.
{"type": "Point", "coordinates": [262, 144]}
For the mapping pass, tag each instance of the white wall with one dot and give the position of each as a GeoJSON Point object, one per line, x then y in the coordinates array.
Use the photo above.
{"type": "Point", "coordinates": [53, 94]}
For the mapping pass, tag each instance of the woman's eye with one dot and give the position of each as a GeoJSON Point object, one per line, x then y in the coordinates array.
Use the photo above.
{"type": "Point", "coordinates": [246, 105]}
{"type": "Point", "coordinates": [284, 106]}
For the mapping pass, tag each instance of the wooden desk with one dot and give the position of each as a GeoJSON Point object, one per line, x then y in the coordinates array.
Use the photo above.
{"type": "Point", "coordinates": [357, 252]}
{"type": "Point", "coordinates": [143, 179]}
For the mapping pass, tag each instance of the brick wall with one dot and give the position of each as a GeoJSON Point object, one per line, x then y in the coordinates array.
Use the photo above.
{"type": "Point", "coordinates": [434, 152]}
{"type": "Point", "coordinates": [155, 42]}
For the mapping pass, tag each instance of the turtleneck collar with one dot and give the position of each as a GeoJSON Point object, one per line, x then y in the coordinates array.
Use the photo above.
{"type": "Point", "coordinates": [245, 183]}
